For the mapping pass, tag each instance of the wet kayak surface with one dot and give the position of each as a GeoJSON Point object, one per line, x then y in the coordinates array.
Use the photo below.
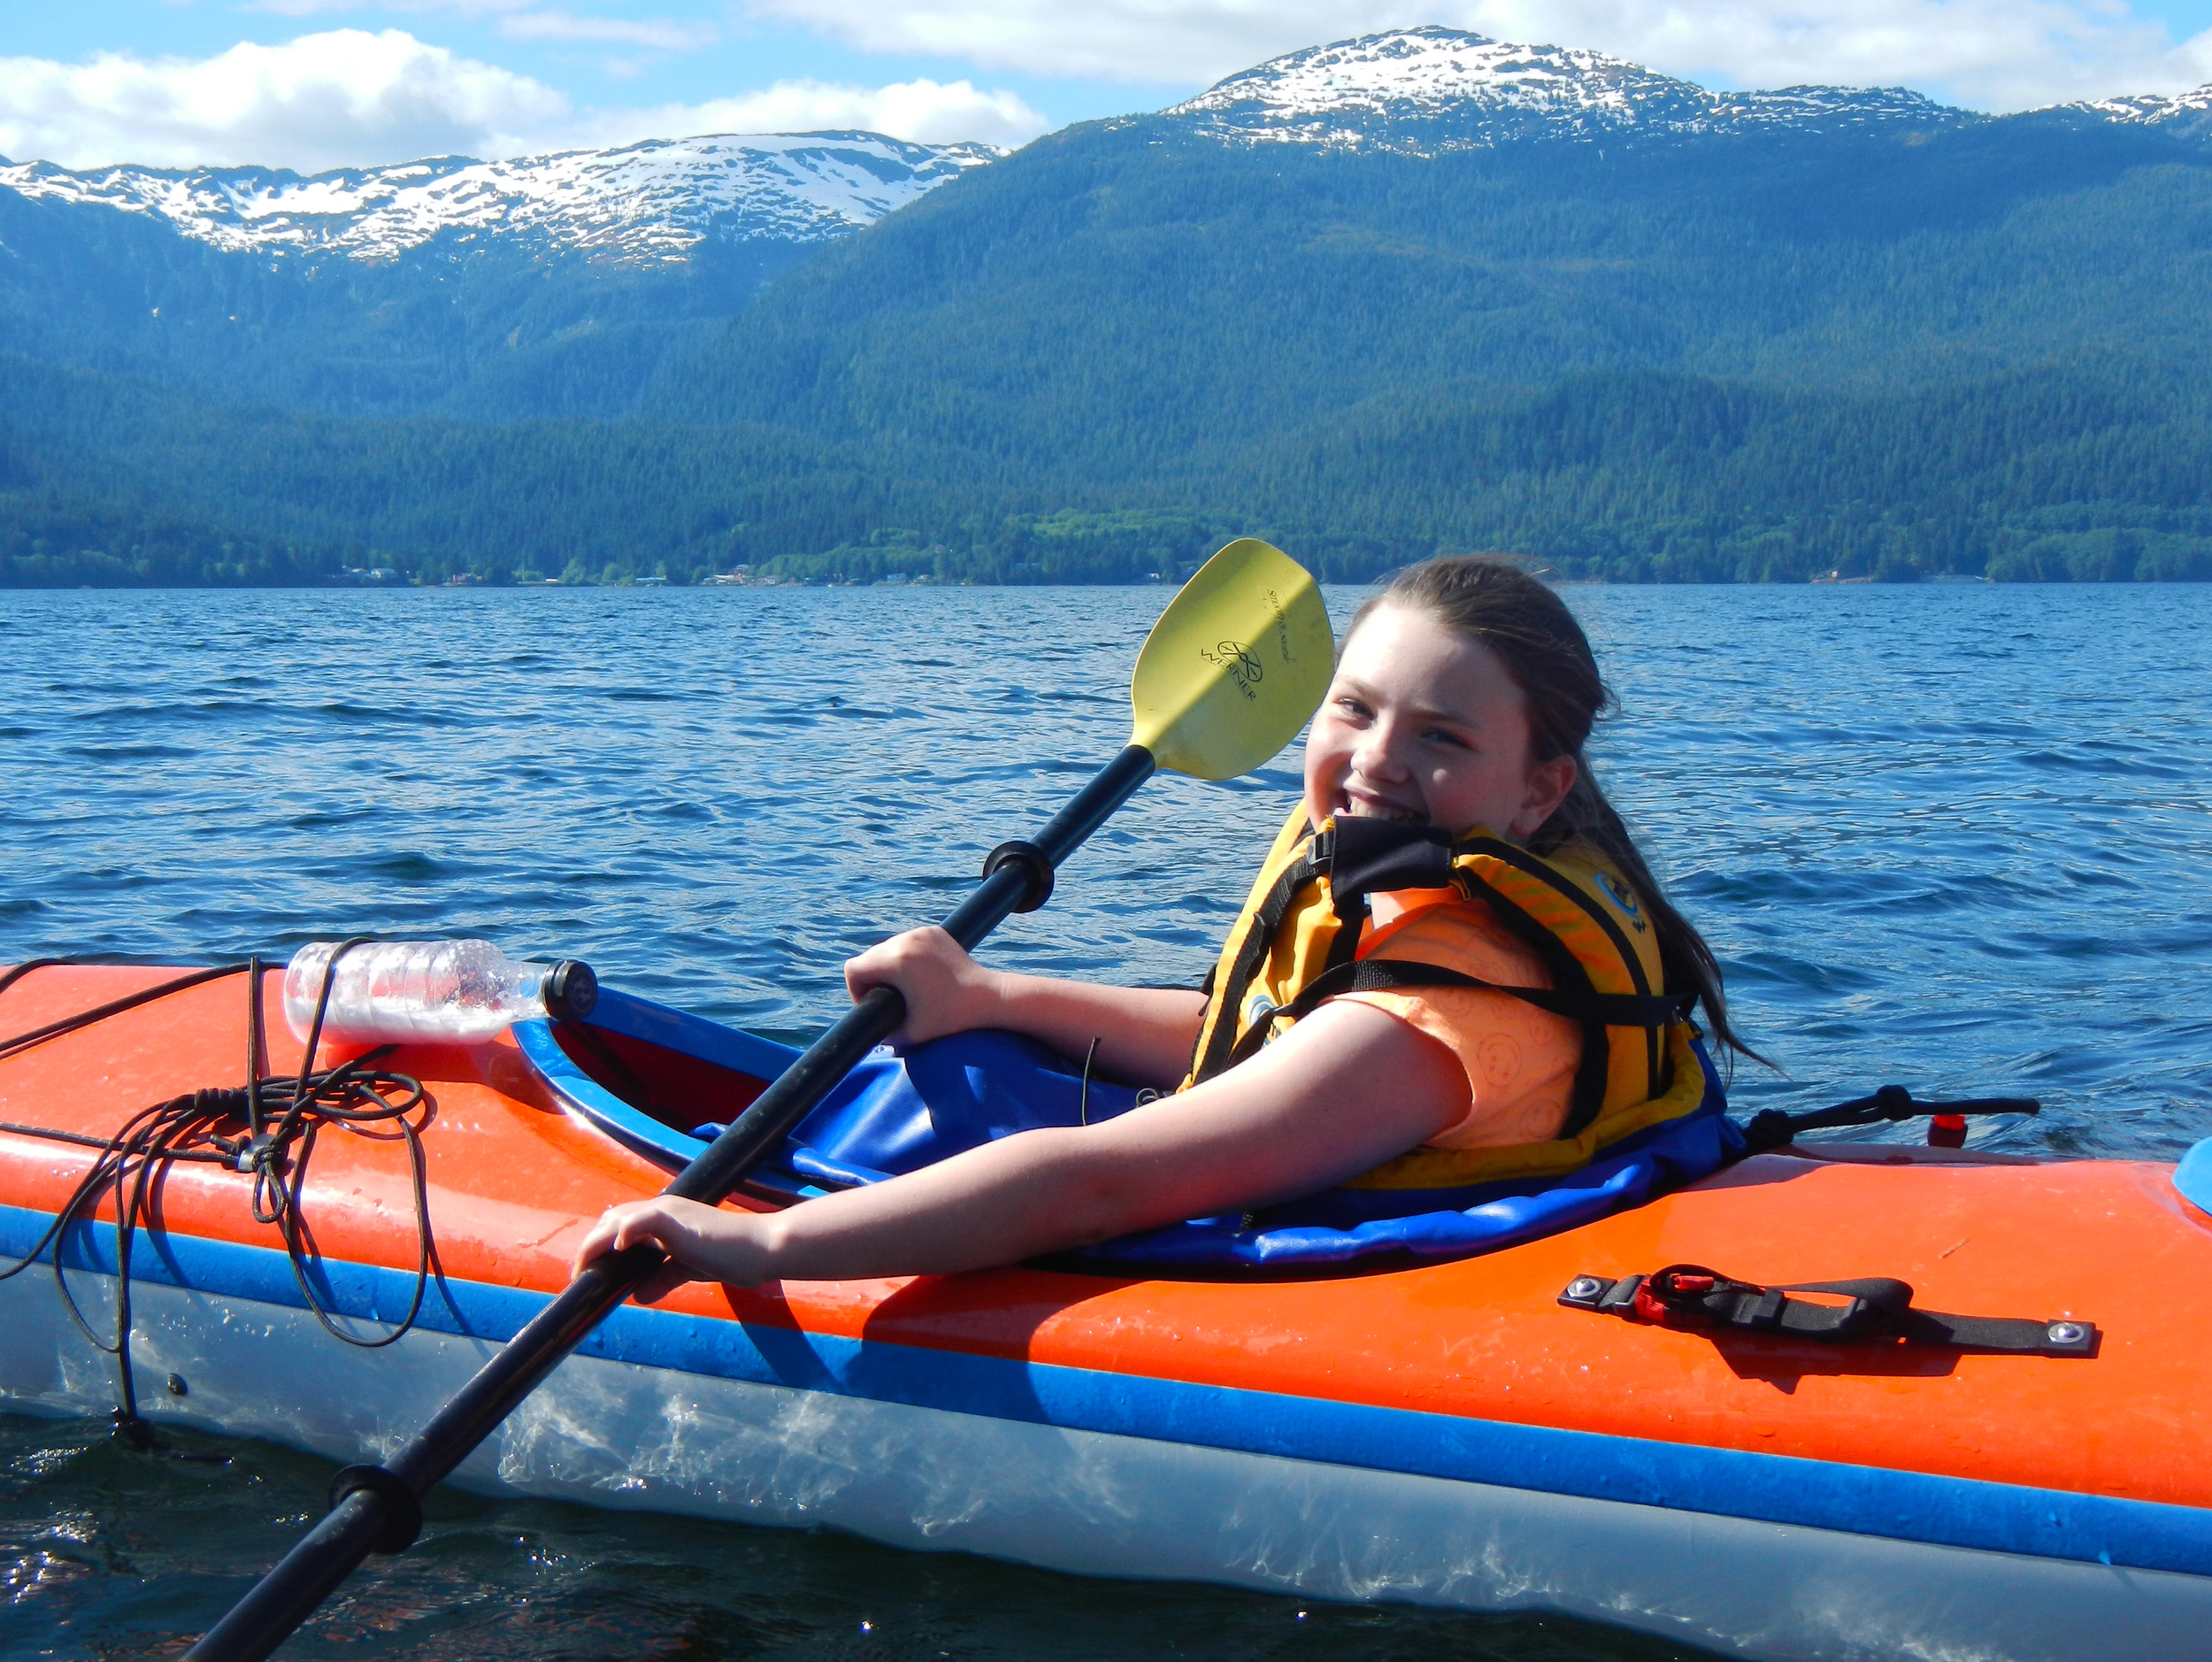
{"type": "Point", "coordinates": [108, 1553]}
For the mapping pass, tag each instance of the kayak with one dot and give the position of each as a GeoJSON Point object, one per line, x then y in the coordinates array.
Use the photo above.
{"type": "Point", "coordinates": [1482, 1432]}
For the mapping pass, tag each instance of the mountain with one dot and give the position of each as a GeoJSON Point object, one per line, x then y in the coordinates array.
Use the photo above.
{"type": "Point", "coordinates": [2187, 114]}
{"type": "Point", "coordinates": [646, 205]}
{"type": "Point", "coordinates": [1424, 214]}
{"type": "Point", "coordinates": [1412, 292]}
{"type": "Point", "coordinates": [546, 286]}
{"type": "Point", "coordinates": [1424, 91]}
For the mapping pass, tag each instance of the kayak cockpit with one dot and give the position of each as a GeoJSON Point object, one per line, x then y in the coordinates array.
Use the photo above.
{"type": "Point", "coordinates": [663, 1084]}
{"type": "Point", "coordinates": [646, 1076]}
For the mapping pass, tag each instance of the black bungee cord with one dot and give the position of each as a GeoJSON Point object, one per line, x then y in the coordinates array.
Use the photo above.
{"type": "Point", "coordinates": [116, 1007]}
{"type": "Point", "coordinates": [281, 1114]}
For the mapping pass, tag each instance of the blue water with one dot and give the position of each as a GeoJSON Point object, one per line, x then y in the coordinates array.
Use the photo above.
{"type": "Point", "coordinates": [1954, 836]}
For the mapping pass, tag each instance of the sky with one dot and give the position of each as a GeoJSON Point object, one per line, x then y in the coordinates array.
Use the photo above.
{"type": "Point", "coordinates": [318, 84]}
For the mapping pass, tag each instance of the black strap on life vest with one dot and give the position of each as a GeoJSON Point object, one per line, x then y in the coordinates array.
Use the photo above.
{"type": "Point", "coordinates": [1363, 857]}
{"type": "Point", "coordinates": [1608, 1010]}
{"type": "Point", "coordinates": [1360, 856]}
{"type": "Point", "coordinates": [1873, 1312]}
{"type": "Point", "coordinates": [1591, 1009]}
{"type": "Point", "coordinates": [1376, 856]}
{"type": "Point", "coordinates": [1251, 952]}
{"type": "Point", "coordinates": [1383, 856]}
{"type": "Point", "coordinates": [1567, 971]}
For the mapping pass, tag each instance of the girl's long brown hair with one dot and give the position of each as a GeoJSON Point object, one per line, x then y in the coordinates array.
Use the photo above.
{"type": "Point", "coordinates": [1549, 656]}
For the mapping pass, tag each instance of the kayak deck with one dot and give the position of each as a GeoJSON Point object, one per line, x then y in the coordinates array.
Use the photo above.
{"type": "Point", "coordinates": [514, 1181]}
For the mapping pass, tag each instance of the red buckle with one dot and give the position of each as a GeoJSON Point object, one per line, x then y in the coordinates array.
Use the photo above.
{"type": "Point", "coordinates": [1652, 1308]}
{"type": "Point", "coordinates": [1664, 1298]}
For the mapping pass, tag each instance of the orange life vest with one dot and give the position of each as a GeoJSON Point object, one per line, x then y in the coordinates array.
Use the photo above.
{"type": "Point", "coordinates": [1297, 942]}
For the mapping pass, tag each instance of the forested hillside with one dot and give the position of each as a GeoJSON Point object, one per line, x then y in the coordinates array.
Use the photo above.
{"type": "Point", "coordinates": [548, 286]}
{"type": "Point", "coordinates": [1128, 296]}
{"type": "Point", "coordinates": [2054, 473]}
{"type": "Point", "coordinates": [1913, 344]}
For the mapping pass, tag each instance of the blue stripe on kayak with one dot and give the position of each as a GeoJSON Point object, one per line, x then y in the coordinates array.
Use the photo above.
{"type": "Point", "coordinates": [1774, 1489]}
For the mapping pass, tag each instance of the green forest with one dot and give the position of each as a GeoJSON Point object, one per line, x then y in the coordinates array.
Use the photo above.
{"type": "Point", "coordinates": [2050, 475]}
{"type": "Point", "coordinates": [1889, 355]}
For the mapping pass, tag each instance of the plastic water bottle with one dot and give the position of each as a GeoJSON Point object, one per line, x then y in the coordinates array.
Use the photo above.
{"type": "Point", "coordinates": [436, 991]}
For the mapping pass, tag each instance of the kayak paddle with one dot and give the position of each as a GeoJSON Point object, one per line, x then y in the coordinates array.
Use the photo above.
{"type": "Point", "coordinates": [1228, 676]}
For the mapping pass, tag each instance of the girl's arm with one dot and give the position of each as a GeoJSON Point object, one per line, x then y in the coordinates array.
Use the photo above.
{"type": "Point", "coordinates": [1146, 1034]}
{"type": "Point", "coordinates": [1343, 1090]}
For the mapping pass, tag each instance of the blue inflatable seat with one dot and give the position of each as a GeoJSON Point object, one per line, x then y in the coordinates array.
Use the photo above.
{"type": "Point", "coordinates": [897, 1113]}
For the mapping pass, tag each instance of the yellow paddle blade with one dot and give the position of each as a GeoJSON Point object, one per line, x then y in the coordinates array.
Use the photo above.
{"type": "Point", "coordinates": [1235, 664]}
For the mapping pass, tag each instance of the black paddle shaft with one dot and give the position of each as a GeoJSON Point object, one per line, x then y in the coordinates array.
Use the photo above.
{"type": "Point", "coordinates": [378, 1508]}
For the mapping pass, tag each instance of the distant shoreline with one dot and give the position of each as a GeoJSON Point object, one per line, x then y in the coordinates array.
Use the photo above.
{"type": "Point", "coordinates": [1945, 580]}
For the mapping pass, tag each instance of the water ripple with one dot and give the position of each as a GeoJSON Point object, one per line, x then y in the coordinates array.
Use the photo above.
{"type": "Point", "coordinates": [1927, 830]}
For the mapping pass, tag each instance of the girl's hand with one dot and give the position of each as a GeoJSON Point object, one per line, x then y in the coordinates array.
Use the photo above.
{"type": "Point", "coordinates": [702, 1243]}
{"type": "Point", "coordinates": [946, 990]}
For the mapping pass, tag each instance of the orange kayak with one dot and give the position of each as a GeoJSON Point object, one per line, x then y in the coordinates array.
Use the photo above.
{"type": "Point", "coordinates": [1444, 1433]}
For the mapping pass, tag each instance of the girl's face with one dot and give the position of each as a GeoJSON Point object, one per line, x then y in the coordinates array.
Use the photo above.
{"type": "Point", "coordinates": [1424, 726]}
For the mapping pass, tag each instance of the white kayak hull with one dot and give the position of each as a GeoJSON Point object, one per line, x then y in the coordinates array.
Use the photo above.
{"type": "Point", "coordinates": [615, 1433]}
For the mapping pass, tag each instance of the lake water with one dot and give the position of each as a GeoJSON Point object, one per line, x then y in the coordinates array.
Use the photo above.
{"type": "Point", "coordinates": [1953, 836]}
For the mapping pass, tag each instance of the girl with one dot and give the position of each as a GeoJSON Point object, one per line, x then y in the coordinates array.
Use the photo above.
{"type": "Point", "coordinates": [1506, 990]}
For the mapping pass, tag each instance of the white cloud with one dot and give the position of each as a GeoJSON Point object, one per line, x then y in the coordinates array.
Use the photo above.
{"type": "Point", "coordinates": [321, 101]}
{"type": "Point", "coordinates": [350, 98]}
{"type": "Point", "coordinates": [659, 34]}
{"type": "Point", "coordinates": [299, 8]}
{"type": "Point", "coordinates": [450, 8]}
{"type": "Point", "coordinates": [1992, 54]}
{"type": "Point", "coordinates": [1997, 54]}
{"type": "Point", "coordinates": [926, 111]}
{"type": "Point", "coordinates": [528, 20]}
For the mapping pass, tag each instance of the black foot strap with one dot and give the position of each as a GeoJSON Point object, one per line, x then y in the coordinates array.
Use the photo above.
{"type": "Point", "coordinates": [1689, 1295]}
{"type": "Point", "coordinates": [1772, 1128]}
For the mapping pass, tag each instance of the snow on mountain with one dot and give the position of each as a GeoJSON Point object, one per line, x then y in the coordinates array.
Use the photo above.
{"type": "Point", "coordinates": [650, 202]}
{"type": "Point", "coordinates": [1431, 72]}
{"type": "Point", "coordinates": [1425, 89]}
{"type": "Point", "coordinates": [1833, 109]}
{"type": "Point", "coordinates": [1415, 91]}
{"type": "Point", "coordinates": [2188, 112]}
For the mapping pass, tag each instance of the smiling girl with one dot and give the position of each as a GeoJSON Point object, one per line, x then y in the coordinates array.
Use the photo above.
{"type": "Point", "coordinates": [1455, 964]}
